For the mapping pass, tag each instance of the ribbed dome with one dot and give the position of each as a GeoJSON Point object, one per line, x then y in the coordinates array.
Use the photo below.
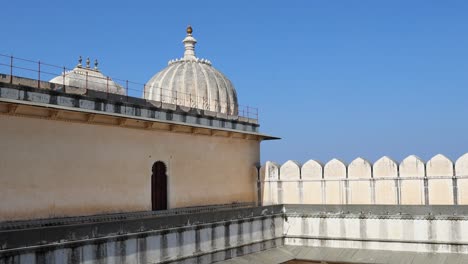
{"type": "Point", "coordinates": [193, 82]}
{"type": "Point", "coordinates": [89, 78]}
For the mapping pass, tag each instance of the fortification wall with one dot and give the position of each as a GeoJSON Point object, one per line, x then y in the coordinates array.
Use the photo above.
{"type": "Point", "coordinates": [438, 181]}
{"type": "Point", "coordinates": [410, 228]}
{"type": "Point", "coordinates": [52, 168]}
{"type": "Point", "coordinates": [212, 234]}
{"type": "Point", "coordinates": [203, 235]}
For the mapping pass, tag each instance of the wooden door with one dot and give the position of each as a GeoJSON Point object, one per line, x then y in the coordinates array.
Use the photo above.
{"type": "Point", "coordinates": [159, 186]}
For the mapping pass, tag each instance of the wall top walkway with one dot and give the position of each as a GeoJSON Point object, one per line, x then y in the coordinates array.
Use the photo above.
{"type": "Point", "coordinates": [345, 255]}
{"type": "Point", "coordinates": [38, 232]}
{"type": "Point", "coordinates": [32, 233]}
{"type": "Point", "coordinates": [449, 212]}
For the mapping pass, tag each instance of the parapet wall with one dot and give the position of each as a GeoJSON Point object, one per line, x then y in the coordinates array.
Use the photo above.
{"type": "Point", "coordinates": [404, 228]}
{"type": "Point", "coordinates": [24, 89]}
{"type": "Point", "coordinates": [412, 181]}
{"type": "Point", "coordinates": [198, 235]}
{"type": "Point", "coordinates": [216, 233]}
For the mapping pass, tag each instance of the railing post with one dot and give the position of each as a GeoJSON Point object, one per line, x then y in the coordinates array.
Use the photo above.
{"type": "Point", "coordinates": [86, 81]}
{"type": "Point", "coordinates": [39, 75]}
{"type": "Point", "coordinates": [11, 69]}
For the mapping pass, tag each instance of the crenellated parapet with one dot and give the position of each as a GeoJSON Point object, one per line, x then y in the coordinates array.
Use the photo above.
{"type": "Point", "coordinates": [439, 181]}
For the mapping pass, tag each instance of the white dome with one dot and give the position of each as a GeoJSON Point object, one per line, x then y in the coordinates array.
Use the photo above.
{"type": "Point", "coordinates": [193, 82]}
{"type": "Point", "coordinates": [89, 78]}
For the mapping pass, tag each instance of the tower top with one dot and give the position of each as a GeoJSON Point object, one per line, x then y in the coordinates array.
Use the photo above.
{"type": "Point", "coordinates": [189, 43]}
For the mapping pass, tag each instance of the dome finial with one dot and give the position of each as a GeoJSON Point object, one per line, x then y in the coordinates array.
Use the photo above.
{"type": "Point", "coordinates": [189, 43]}
{"type": "Point", "coordinates": [80, 60]}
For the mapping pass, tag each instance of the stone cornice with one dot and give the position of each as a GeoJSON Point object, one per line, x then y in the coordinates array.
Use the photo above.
{"type": "Point", "coordinates": [47, 104]}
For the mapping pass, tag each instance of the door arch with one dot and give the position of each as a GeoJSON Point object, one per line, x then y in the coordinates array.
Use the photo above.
{"type": "Point", "coordinates": [159, 186]}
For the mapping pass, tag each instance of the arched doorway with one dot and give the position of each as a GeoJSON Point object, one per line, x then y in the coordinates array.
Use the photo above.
{"type": "Point", "coordinates": [159, 186]}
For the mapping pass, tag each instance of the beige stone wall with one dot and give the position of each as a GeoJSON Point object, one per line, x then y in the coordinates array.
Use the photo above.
{"type": "Point", "coordinates": [412, 170]}
{"type": "Point", "coordinates": [55, 168]}
{"type": "Point", "coordinates": [333, 174]}
{"type": "Point", "coordinates": [441, 189]}
{"type": "Point", "coordinates": [461, 169]}
{"type": "Point", "coordinates": [290, 174]}
{"type": "Point", "coordinates": [384, 182]}
{"type": "Point", "coordinates": [270, 174]}
{"type": "Point", "coordinates": [385, 170]}
{"type": "Point", "coordinates": [359, 175]}
{"type": "Point", "coordinates": [312, 176]}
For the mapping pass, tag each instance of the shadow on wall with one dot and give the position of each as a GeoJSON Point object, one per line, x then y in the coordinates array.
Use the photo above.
{"type": "Point", "coordinates": [438, 181]}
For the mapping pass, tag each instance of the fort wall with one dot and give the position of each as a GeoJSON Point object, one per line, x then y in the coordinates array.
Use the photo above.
{"type": "Point", "coordinates": [69, 151]}
{"type": "Point", "coordinates": [438, 181]}
{"type": "Point", "coordinates": [216, 233]}
{"type": "Point", "coordinates": [195, 235]}
{"type": "Point", "coordinates": [52, 168]}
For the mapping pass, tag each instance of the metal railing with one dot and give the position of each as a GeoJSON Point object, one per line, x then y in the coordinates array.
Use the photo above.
{"type": "Point", "coordinates": [40, 73]}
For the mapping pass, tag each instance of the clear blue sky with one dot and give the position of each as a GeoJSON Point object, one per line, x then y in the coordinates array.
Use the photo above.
{"type": "Point", "coordinates": [332, 78]}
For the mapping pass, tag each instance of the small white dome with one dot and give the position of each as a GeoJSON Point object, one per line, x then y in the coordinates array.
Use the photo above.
{"type": "Point", "coordinates": [89, 78]}
{"type": "Point", "coordinates": [193, 82]}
